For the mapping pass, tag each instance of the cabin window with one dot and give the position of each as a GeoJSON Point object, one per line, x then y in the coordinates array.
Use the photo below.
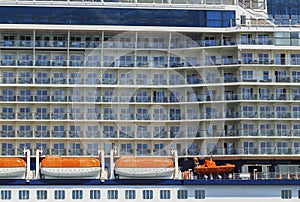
{"type": "Point", "coordinates": [23, 194]}
{"type": "Point", "coordinates": [41, 194]}
{"type": "Point", "coordinates": [165, 194]}
{"type": "Point", "coordinates": [199, 194]}
{"type": "Point", "coordinates": [129, 194]}
{"type": "Point", "coordinates": [112, 194]}
{"type": "Point", "coordinates": [147, 194]}
{"type": "Point", "coordinates": [59, 194]}
{"type": "Point", "coordinates": [5, 195]}
{"type": "Point", "coordinates": [182, 194]}
{"type": "Point", "coordinates": [286, 194]}
{"type": "Point", "coordinates": [95, 194]}
{"type": "Point", "coordinates": [77, 194]}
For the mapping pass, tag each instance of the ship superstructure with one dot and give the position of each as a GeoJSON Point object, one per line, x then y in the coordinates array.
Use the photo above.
{"type": "Point", "coordinates": [204, 77]}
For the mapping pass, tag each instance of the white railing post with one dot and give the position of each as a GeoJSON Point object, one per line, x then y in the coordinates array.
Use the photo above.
{"type": "Point", "coordinates": [103, 174]}
{"type": "Point", "coordinates": [37, 162]}
{"type": "Point", "coordinates": [112, 164]}
{"type": "Point", "coordinates": [27, 154]}
{"type": "Point", "coordinates": [175, 154]}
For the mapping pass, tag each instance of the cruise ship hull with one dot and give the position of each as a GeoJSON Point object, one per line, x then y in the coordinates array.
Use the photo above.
{"type": "Point", "coordinates": [160, 190]}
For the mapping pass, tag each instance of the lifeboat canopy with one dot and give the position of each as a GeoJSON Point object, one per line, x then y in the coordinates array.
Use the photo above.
{"type": "Point", "coordinates": [57, 161]}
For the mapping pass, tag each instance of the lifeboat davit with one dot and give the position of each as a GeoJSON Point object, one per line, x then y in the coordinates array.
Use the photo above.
{"type": "Point", "coordinates": [210, 166]}
{"type": "Point", "coordinates": [70, 167]}
{"type": "Point", "coordinates": [144, 167]}
{"type": "Point", "coordinates": [13, 168]}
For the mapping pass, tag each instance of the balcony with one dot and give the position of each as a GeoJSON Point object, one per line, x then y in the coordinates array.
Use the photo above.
{"type": "Point", "coordinates": [76, 98]}
{"type": "Point", "coordinates": [110, 134]}
{"type": "Point", "coordinates": [93, 116]}
{"type": "Point", "coordinates": [161, 134]}
{"type": "Point", "coordinates": [25, 80]}
{"type": "Point", "coordinates": [93, 134]}
{"type": "Point", "coordinates": [126, 116]}
{"type": "Point", "coordinates": [41, 80]}
{"type": "Point", "coordinates": [76, 134]}
{"type": "Point", "coordinates": [9, 80]}
{"type": "Point", "coordinates": [42, 134]}
{"type": "Point", "coordinates": [42, 98]}
{"type": "Point", "coordinates": [126, 134]}
{"type": "Point", "coordinates": [8, 134]}
{"type": "Point", "coordinates": [60, 152]}
{"type": "Point", "coordinates": [8, 62]}
{"type": "Point", "coordinates": [160, 99]}
{"type": "Point", "coordinates": [59, 134]}
{"type": "Point", "coordinates": [57, 98]}
{"type": "Point", "coordinates": [8, 115]}
{"type": "Point", "coordinates": [42, 116]}
{"type": "Point", "coordinates": [108, 116]}
{"type": "Point", "coordinates": [27, 98]}
{"type": "Point", "coordinates": [76, 80]}
{"type": "Point", "coordinates": [77, 44]}
{"type": "Point", "coordinates": [25, 62]}
{"type": "Point", "coordinates": [76, 116]}
{"type": "Point", "coordinates": [175, 116]}
{"type": "Point", "coordinates": [143, 99]}
{"type": "Point", "coordinates": [75, 152]}
{"type": "Point", "coordinates": [25, 116]}
{"type": "Point", "coordinates": [59, 116]}
{"type": "Point", "coordinates": [142, 117]}
{"type": "Point", "coordinates": [42, 63]}
{"type": "Point", "coordinates": [109, 81]}
{"type": "Point", "coordinates": [8, 98]}
{"type": "Point", "coordinates": [8, 152]}
{"type": "Point", "coordinates": [75, 63]}
{"type": "Point", "coordinates": [109, 99]}
{"type": "Point", "coordinates": [59, 63]}
{"type": "Point", "coordinates": [143, 134]}
{"type": "Point", "coordinates": [59, 81]}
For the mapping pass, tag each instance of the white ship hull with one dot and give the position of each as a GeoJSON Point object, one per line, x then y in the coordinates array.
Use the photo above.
{"type": "Point", "coordinates": [209, 193]}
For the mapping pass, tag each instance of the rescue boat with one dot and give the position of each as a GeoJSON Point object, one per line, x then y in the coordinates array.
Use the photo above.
{"type": "Point", "coordinates": [70, 167]}
{"type": "Point", "coordinates": [12, 168]}
{"type": "Point", "coordinates": [144, 167]}
{"type": "Point", "coordinates": [210, 167]}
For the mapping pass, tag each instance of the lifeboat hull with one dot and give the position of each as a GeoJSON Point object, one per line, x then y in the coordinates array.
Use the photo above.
{"type": "Point", "coordinates": [71, 173]}
{"type": "Point", "coordinates": [12, 173]}
{"type": "Point", "coordinates": [144, 167]}
{"type": "Point", "coordinates": [55, 167]}
{"type": "Point", "coordinates": [12, 168]}
{"type": "Point", "coordinates": [217, 169]}
{"type": "Point", "coordinates": [144, 173]}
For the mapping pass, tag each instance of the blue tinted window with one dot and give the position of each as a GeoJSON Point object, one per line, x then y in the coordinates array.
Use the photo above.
{"type": "Point", "coordinates": [283, 10]}
{"type": "Point", "coordinates": [116, 16]}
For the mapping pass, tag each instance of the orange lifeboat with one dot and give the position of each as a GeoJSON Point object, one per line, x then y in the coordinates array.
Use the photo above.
{"type": "Point", "coordinates": [57, 161]}
{"type": "Point", "coordinates": [11, 162]}
{"type": "Point", "coordinates": [144, 162]}
{"type": "Point", "coordinates": [70, 167]}
{"type": "Point", "coordinates": [210, 166]}
{"type": "Point", "coordinates": [144, 167]}
{"type": "Point", "coordinates": [12, 167]}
